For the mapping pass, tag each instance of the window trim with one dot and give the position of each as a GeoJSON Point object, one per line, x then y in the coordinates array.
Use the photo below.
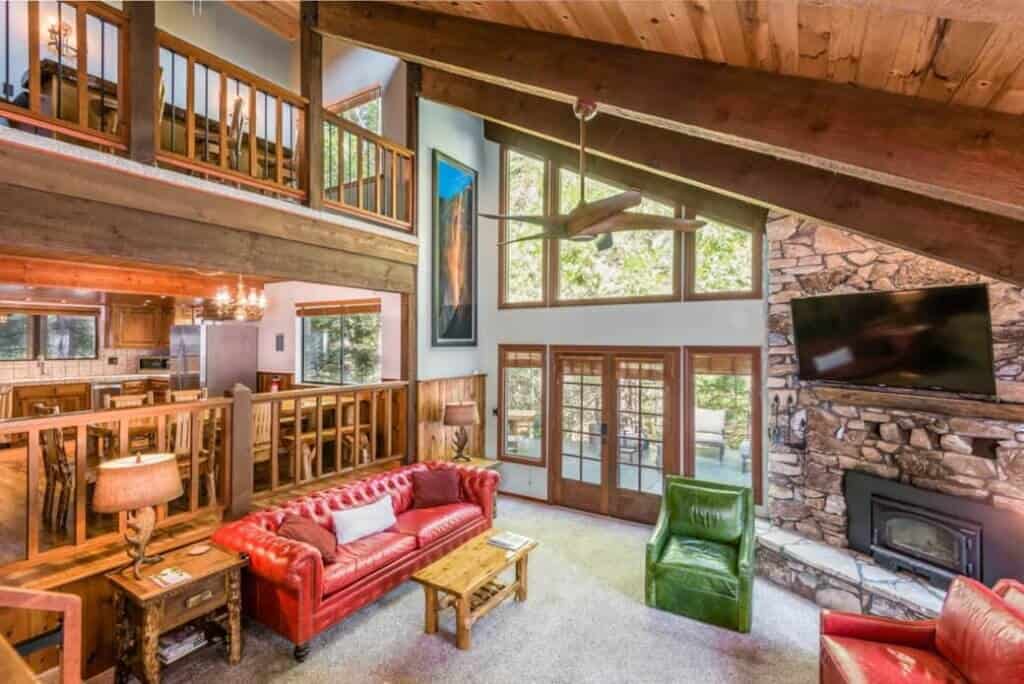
{"type": "Point", "coordinates": [757, 276]}
{"type": "Point", "coordinates": [542, 462]}
{"type": "Point", "coordinates": [503, 207]}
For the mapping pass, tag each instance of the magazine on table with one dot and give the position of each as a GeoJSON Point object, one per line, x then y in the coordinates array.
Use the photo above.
{"type": "Point", "coordinates": [510, 541]}
{"type": "Point", "coordinates": [168, 577]}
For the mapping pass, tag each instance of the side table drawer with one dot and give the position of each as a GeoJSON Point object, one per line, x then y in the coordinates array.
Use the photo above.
{"type": "Point", "coordinates": [196, 599]}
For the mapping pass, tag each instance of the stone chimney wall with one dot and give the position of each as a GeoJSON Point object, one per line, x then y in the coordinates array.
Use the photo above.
{"type": "Point", "coordinates": [929, 446]}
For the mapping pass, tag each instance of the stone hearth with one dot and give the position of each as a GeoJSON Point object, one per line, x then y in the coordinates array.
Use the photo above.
{"type": "Point", "coordinates": [841, 579]}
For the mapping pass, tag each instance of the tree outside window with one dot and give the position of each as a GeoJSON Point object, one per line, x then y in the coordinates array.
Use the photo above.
{"type": "Point", "coordinates": [341, 349]}
{"type": "Point", "coordinates": [16, 338]}
{"type": "Point", "coordinates": [640, 264]}
{"type": "Point", "coordinates": [70, 337]}
{"type": "Point", "coordinates": [366, 115]}
{"type": "Point", "coordinates": [524, 261]}
{"type": "Point", "coordinates": [724, 259]}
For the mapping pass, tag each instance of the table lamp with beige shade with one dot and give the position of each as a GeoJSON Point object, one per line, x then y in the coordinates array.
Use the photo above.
{"type": "Point", "coordinates": [460, 415]}
{"type": "Point", "coordinates": [137, 484]}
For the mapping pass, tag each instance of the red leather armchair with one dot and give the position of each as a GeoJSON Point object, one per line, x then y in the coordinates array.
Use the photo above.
{"type": "Point", "coordinates": [978, 638]}
{"type": "Point", "coordinates": [289, 589]}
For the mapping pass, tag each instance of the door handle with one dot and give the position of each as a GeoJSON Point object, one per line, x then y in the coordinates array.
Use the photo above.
{"type": "Point", "coordinates": [604, 433]}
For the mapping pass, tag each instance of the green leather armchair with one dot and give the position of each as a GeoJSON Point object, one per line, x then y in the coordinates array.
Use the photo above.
{"type": "Point", "coordinates": [700, 559]}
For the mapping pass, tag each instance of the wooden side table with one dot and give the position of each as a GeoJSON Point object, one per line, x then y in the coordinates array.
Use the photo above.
{"type": "Point", "coordinates": [145, 610]}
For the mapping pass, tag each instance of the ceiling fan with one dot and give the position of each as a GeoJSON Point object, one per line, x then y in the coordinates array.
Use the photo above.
{"type": "Point", "coordinates": [596, 220]}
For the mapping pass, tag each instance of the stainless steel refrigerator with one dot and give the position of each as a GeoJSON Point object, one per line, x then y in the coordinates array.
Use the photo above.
{"type": "Point", "coordinates": [214, 356]}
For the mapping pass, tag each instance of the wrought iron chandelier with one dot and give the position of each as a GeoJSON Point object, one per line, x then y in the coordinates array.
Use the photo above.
{"type": "Point", "coordinates": [240, 305]}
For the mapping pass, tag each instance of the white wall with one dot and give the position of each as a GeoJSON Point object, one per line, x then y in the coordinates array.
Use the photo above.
{"type": "Point", "coordinates": [349, 69]}
{"type": "Point", "coordinates": [232, 36]}
{"type": "Point", "coordinates": [460, 136]}
{"type": "Point", "coordinates": [280, 319]}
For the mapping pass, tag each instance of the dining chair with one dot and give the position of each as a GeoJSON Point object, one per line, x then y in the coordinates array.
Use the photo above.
{"type": "Point", "coordinates": [181, 434]}
{"type": "Point", "coordinates": [179, 396]}
{"type": "Point", "coordinates": [59, 475]}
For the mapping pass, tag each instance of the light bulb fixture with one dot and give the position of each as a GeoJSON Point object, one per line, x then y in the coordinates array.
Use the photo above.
{"type": "Point", "coordinates": [242, 305]}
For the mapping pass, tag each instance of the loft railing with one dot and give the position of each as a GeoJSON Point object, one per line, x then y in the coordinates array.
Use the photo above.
{"type": "Point", "coordinates": [63, 68]}
{"type": "Point", "coordinates": [218, 120]}
{"type": "Point", "coordinates": [366, 174]}
{"type": "Point", "coordinates": [48, 471]}
{"type": "Point", "coordinates": [303, 435]}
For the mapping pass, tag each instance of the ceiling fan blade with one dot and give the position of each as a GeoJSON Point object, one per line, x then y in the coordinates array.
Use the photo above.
{"type": "Point", "coordinates": [545, 221]}
{"type": "Point", "coordinates": [535, 236]}
{"type": "Point", "coordinates": [587, 214]}
{"type": "Point", "coordinates": [626, 221]}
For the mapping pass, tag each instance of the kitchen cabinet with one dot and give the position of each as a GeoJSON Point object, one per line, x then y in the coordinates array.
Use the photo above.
{"type": "Point", "coordinates": [139, 325]}
{"type": "Point", "coordinates": [69, 397]}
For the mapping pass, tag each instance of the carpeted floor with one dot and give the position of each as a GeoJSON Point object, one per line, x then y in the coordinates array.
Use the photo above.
{"type": "Point", "coordinates": [585, 621]}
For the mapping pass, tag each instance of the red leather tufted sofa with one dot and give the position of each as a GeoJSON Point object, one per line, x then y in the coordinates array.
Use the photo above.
{"type": "Point", "coordinates": [978, 638]}
{"type": "Point", "coordinates": [289, 589]}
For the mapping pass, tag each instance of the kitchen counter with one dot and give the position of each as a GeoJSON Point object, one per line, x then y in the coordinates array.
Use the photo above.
{"type": "Point", "coordinates": [90, 379]}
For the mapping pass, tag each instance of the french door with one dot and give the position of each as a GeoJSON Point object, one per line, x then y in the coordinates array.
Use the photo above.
{"type": "Point", "coordinates": [615, 419]}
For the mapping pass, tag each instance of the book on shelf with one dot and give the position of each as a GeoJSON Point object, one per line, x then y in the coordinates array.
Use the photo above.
{"type": "Point", "coordinates": [168, 577]}
{"type": "Point", "coordinates": [176, 645]}
{"type": "Point", "coordinates": [510, 541]}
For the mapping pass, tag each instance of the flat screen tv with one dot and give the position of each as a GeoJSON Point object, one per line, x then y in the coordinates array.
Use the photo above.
{"type": "Point", "coordinates": [935, 338]}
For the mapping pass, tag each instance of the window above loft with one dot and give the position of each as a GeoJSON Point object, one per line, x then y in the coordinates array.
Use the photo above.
{"type": "Point", "coordinates": [364, 109]}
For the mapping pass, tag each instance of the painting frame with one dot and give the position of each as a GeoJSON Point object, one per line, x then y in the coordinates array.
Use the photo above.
{"type": "Point", "coordinates": [456, 328]}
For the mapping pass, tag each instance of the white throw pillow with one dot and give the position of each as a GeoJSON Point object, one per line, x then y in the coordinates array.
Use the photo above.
{"type": "Point", "coordinates": [355, 523]}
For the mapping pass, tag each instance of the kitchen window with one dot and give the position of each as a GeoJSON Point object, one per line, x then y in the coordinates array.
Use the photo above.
{"type": "Point", "coordinates": [341, 342]}
{"type": "Point", "coordinates": [55, 336]}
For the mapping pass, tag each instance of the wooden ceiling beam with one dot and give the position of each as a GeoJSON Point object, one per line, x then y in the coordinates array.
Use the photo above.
{"type": "Point", "coordinates": [958, 154]}
{"type": "Point", "coordinates": [36, 272]}
{"type": "Point", "coordinates": [280, 17]}
{"type": "Point", "coordinates": [985, 243]}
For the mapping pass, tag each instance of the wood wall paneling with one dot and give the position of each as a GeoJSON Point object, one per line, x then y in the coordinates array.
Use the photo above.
{"type": "Point", "coordinates": [434, 439]}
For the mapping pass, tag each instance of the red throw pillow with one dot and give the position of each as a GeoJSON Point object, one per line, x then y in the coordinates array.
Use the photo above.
{"type": "Point", "coordinates": [305, 530]}
{"type": "Point", "coordinates": [435, 488]}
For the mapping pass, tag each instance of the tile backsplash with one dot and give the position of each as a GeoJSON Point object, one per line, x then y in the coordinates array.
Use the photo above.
{"type": "Point", "coordinates": [127, 363]}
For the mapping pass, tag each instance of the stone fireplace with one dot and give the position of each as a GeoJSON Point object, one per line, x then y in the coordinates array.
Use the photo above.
{"type": "Point", "coordinates": [936, 443]}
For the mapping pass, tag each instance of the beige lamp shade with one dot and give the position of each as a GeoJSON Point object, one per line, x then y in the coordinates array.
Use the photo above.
{"type": "Point", "coordinates": [134, 482]}
{"type": "Point", "coordinates": [461, 414]}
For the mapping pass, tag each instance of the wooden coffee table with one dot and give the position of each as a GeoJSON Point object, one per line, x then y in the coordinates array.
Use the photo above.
{"type": "Point", "coordinates": [468, 579]}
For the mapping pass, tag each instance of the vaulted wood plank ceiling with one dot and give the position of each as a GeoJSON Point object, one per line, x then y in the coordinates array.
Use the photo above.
{"type": "Point", "coordinates": [966, 52]}
{"type": "Point", "coordinates": [956, 51]}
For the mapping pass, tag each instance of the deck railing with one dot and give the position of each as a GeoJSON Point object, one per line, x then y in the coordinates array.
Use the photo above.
{"type": "Point", "coordinates": [220, 121]}
{"type": "Point", "coordinates": [63, 71]}
{"type": "Point", "coordinates": [303, 435]}
{"type": "Point", "coordinates": [48, 471]}
{"type": "Point", "coordinates": [367, 175]}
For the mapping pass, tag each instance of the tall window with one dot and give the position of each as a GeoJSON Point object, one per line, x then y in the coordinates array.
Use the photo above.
{"type": "Point", "coordinates": [640, 264]}
{"type": "Point", "coordinates": [55, 336]}
{"type": "Point", "coordinates": [341, 343]}
{"type": "Point", "coordinates": [725, 262]}
{"type": "Point", "coordinates": [522, 391]}
{"type": "Point", "coordinates": [523, 262]}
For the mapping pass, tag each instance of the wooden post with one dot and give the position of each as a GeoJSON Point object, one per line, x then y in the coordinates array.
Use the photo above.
{"type": "Point", "coordinates": [240, 493]}
{"type": "Point", "coordinates": [142, 83]}
{"type": "Point", "coordinates": [311, 78]}
{"type": "Point", "coordinates": [410, 347]}
{"type": "Point", "coordinates": [413, 86]}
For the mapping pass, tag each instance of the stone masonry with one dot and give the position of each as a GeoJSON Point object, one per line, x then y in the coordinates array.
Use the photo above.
{"type": "Point", "coordinates": [979, 459]}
